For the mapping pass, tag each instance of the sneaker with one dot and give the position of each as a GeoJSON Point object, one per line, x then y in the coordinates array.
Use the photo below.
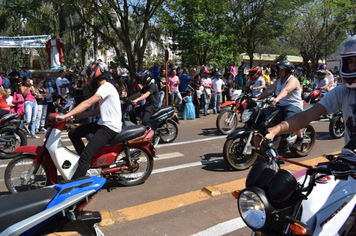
{"type": "Point", "coordinates": [43, 129]}
{"type": "Point", "coordinates": [36, 132]}
{"type": "Point", "coordinates": [35, 136]}
{"type": "Point", "coordinates": [298, 143]}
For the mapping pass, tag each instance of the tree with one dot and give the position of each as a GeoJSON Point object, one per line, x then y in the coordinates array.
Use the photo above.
{"type": "Point", "coordinates": [122, 25]}
{"type": "Point", "coordinates": [319, 28]}
{"type": "Point", "coordinates": [198, 31]}
{"type": "Point", "coordinates": [258, 22]}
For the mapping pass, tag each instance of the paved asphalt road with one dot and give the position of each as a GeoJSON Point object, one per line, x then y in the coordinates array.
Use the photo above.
{"type": "Point", "coordinates": [171, 202]}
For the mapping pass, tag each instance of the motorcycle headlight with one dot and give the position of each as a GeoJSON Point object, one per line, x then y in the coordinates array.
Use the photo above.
{"type": "Point", "coordinates": [246, 115]}
{"type": "Point", "coordinates": [254, 208]}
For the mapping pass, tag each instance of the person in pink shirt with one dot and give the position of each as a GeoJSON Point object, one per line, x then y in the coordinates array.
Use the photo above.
{"type": "Point", "coordinates": [204, 68]}
{"type": "Point", "coordinates": [18, 100]}
{"type": "Point", "coordinates": [233, 70]}
{"type": "Point", "coordinates": [174, 82]}
{"type": "Point", "coordinates": [30, 93]}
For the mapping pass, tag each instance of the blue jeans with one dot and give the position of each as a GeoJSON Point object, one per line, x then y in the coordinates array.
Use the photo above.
{"type": "Point", "coordinates": [207, 103]}
{"type": "Point", "coordinates": [173, 95]}
{"type": "Point", "coordinates": [30, 113]}
{"type": "Point", "coordinates": [161, 97]}
{"type": "Point", "coordinates": [216, 101]}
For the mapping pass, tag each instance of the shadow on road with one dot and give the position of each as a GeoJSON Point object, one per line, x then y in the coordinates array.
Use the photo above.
{"type": "Point", "coordinates": [210, 132]}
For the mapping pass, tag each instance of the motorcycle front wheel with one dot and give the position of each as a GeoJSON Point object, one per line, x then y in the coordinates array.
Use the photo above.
{"type": "Point", "coordinates": [10, 139]}
{"type": "Point", "coordinates": [227, 121]}
{"type": "Point", "coordinates": [168, 132]}
{"type": "Point", "coordinates": [337, 127]}
{"type": "Point", "coordinates": [17, 171]}
{"type": "Point", "coordinates": [141, 168]}
{"type": "Point", "coordinates": [233, 156]}
{"type": "Point", "coordinates": [308, 143]}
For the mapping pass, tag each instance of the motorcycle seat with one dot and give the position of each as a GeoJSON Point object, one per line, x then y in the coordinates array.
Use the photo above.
{"type": "Point", "coordinates": [17, 207]}
{"type": "Point", "coordinates": [162, 110]}
{"type": "Point", "coordinates": [129, 132]}
{"type": "Point", "coordinates": [7, 117]}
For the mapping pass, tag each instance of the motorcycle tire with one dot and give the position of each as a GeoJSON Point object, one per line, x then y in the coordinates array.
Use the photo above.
{"type": "Point", "coordinates": [141, 168]}
{"type": "Point", "coordinates": [16, 171]}
{"type": "Point", "coordinates": [337, 127]}
{"type": "Point", "coordinates": [308, 143]}
{"type": "Point", "coordinates": [171, 135]}
{"type": "Point", "coordinates": [224, 118]}
{"type": "Point", "coordinates": [16, 138]}
{"type": "Point", "coordinates": [233, 156]}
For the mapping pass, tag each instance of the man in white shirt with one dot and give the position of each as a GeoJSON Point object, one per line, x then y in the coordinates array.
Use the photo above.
{"type": "Point", "coordinates": [206, 83]}
{"type": "Point", "coordinates": [218, 86]}
{"type": "Point", "coordinates": [109, 124]}
{"type": "Point", "coordinates": [62, 82]}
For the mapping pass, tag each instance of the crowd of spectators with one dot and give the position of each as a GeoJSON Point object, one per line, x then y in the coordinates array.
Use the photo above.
{"type": "Point", "coordinates": [206, 87]}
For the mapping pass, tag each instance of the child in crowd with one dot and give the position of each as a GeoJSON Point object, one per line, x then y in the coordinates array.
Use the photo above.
{"type": "Point", "coordinates": [70, 102]}
{"type": "Point", "coordinates": [9, 100]}
{"type": "Point", "coordinates": [18, 101]}
{"type": "Point", "coordinates": [189, 112]}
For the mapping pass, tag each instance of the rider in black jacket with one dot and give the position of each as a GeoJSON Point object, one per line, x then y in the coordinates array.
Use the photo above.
{"type": "Point", "coordinates": [151, 94]}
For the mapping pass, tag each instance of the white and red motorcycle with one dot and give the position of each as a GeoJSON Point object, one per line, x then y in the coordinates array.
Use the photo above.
{"type": "Point", "coordinates": [314, 201]}
{"type": "Point", "coordinates": [127, 159]}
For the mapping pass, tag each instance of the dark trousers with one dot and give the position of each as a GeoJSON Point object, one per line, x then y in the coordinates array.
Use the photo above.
{"type": "Point", "coordinates": [102, 135]}
{"type": "Point", "coordinates": [147, 112]}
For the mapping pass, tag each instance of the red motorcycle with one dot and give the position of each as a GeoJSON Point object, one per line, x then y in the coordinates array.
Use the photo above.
{"type": "Point", "coordinates": [127, 159]}
{"type": "Point", "coordinates": [227, 120]}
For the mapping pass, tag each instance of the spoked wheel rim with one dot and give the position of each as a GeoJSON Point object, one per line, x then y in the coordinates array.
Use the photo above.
{"type": "Point", "coordinates": [339, 127]}
{"type": "Point", "coordinates": [17, 172]}
{"type": "Point", "coordinates": [168, 132]}
{"type": "Point", "coordinates": [140, 169]}
{"type": "Point", "coordinates": [227, 122]}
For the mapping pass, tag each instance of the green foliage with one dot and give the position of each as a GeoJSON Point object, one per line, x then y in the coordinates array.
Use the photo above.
{"type": "Point", "coordinates": [320, 26]}
{"type": "Point", "coordinates": [198, 31]}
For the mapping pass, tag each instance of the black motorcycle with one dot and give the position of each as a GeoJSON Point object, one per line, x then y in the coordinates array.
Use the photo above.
{"type": "Point", "coordinates": [11, 136]}
{"type": "Point", "coordinates": [239, 150]}
{"type": "Point", "coordinates": [337, 125]}
{"type": "Point", "coordinates": [164, 122]}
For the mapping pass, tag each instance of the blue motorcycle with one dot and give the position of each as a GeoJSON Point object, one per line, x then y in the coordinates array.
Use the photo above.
{"type": "Point", "coordinates": [56, 208]}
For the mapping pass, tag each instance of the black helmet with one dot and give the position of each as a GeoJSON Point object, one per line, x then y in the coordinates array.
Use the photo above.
{"type": "Point", "coordinates": [287, 65]}
{"type": "Point", "coordinates": [147, 77]}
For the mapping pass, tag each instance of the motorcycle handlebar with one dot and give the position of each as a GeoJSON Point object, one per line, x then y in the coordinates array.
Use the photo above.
{"type": "Point", "coordinates": [334, 168]}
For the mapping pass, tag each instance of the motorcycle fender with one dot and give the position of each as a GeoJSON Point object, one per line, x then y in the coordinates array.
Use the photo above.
{"type": "Point", "coordinates": [175, 118]}
{"type": "Point", "coordinates": [228, 103]}
{"type": "Point", "coordinates": [29, 149]}
{"type": "Point", "coordinates": [238, 134]}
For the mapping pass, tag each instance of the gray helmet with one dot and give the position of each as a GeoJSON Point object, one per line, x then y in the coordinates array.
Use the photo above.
{"type": "Point", "coordinates": [348, 49]}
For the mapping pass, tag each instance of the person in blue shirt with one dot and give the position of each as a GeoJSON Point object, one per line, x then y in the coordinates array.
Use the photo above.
{"type": "Point", "coordinates": [239, 78]}
{"type": "Point", "coordinates": [185, 82]}
{"type": "Point", "coordinates": [155, 70]}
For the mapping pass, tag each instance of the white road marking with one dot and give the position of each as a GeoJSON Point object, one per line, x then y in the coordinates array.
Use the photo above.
{"type": "Point", "coordinates": [187, 165]}
{"type": "Point", "coordinates": [223, 228]}
{"type": "Point", "coordinates": [191, 141]}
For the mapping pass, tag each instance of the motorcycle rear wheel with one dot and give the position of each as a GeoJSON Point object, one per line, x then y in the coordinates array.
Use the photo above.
{"type": "Point", "coordinates": [168, 132]}
{"type": "Point", "coordinates": [16, 171]}
{"type": "Point", "coordinates": [141, 168]}
{"type": "Point", "coordinates": [15, 138]}
{"type": "Point", "coordinates": [337, 127]}
{"type": "Point", "coordinates": [222, 121]}
{"type": "Point", "coordinates": [308, 143]}
{"type": "Point", "coordinates": [233, 154]}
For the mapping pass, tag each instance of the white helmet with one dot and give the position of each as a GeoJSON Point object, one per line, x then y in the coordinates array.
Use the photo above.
{"type": "Point", "coordinates": [348, 49]}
